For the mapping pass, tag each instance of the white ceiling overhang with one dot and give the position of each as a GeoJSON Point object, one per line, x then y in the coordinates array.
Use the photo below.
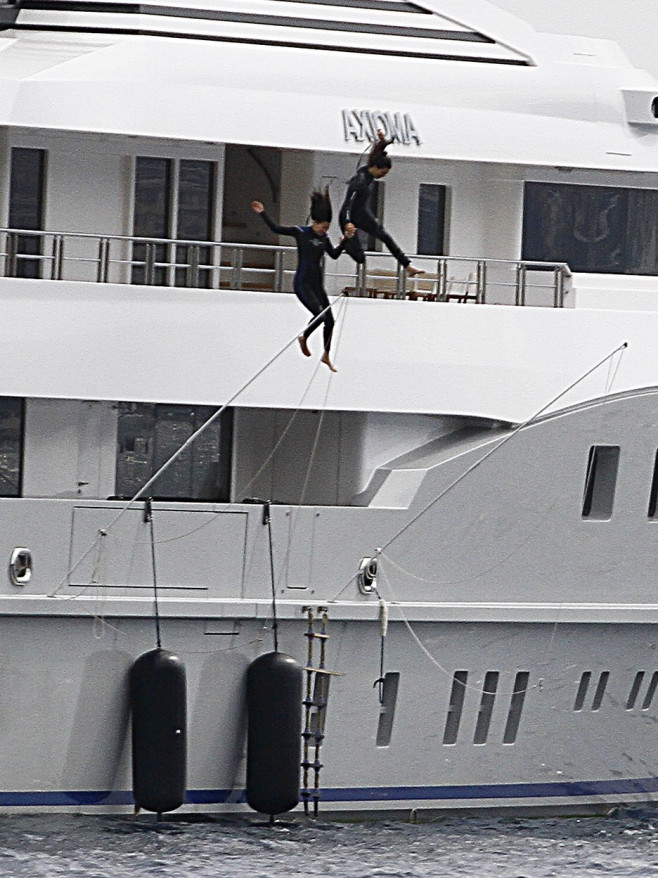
{"type": "Point", "coordinates": [566, 107]}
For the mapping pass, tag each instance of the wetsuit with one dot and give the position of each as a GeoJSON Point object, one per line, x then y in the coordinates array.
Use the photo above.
{"type": "Point", "coordinates": [309, 280]}
{"type": "Point", "coordinates": [355, 210]}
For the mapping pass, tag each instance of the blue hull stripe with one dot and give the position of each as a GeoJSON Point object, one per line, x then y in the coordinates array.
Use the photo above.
{"type": "Point", "coordinates": [644, 786]}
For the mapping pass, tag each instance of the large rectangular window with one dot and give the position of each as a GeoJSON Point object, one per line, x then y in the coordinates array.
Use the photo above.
{"type": "Point", "coordinates": [594, 228]}
{"type": "Point", "coordinates": [173, 199]}
{"type": "Point", "coordinates": [151, 218]}
{"type": "Point", "coordinates": [11, 445]}
{"type": "Point", "coordinates": [26, 206]}
{"type": "Point", "coordinates": [431, 219]}
{"type": "Point", "coordinates": [196, 195]}
{"type": "Point", "coordinates": [149, 434]}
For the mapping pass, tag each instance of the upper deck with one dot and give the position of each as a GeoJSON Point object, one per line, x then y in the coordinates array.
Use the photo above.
{"type": "Point", "coordinates": [134, 137]}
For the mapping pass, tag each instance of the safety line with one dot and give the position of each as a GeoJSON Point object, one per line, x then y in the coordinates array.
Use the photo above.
{"type": "Point", "coordinates": [183, 447]}
{"type": "Point", "coordinates": [503, 441]}
{"type": "Point", "coordinates": [379, 550]}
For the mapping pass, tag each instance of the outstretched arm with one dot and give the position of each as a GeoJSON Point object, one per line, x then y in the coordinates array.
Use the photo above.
{"type": "Point", "coordinates": [258, 207]}
{"type": "Point", "coordinates": [332, 251]}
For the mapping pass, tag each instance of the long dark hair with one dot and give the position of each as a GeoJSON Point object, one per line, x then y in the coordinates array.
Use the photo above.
{"type": "Point", "coordinates": [378, 157]}
{"type": "Point", "coordinates": [321, 211]}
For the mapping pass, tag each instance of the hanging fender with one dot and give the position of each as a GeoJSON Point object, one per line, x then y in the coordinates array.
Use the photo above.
{"type": "Point", "coordinates": [159, 730]}
{"type": "Point", "coordinates": [274, 728]}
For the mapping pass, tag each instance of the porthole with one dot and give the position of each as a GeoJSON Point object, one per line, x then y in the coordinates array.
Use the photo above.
{"type": "Point", "coordinates": [367, 575]}
{"type": "Point", "coordinates": [20, 566]}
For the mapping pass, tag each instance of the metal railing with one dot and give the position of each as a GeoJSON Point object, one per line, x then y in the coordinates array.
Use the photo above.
{"type": "Point", "coordinates": [236, 266]}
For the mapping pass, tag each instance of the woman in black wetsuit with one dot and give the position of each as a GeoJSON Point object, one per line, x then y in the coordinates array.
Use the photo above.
{"type": "Point", "coordinates": [312, 244]}
{"type": "Point", "coordinates": [355, 212]}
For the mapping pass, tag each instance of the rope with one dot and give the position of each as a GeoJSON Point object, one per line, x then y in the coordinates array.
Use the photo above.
{"type": "Point", "coordinates": [502, 442]}
{"type": "Point", "coordinates": [419, 643]}
{"type": "Point", "coordinates": [311, 459]}
{"type": "Point", "coordinates": [148, 517]}
{"type": "Point", "coordinates": [129, 504]}
{"type": "Point", "coordinates": [267, 519]}
{"type": "Point", "coordinates": [379, 551]}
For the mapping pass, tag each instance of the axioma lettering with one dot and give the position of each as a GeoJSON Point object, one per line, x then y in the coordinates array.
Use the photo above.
{"type": "Point", "coordinates": [362, 125]}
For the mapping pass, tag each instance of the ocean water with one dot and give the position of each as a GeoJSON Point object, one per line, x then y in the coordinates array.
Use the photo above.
{"type": "Point", "coordinates": [125, 847]}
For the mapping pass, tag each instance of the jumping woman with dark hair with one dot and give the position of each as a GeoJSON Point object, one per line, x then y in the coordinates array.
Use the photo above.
{"type": "Point", "coordinates": [355, 213]}
{"type": "Point", "coordinates": [312, 244]}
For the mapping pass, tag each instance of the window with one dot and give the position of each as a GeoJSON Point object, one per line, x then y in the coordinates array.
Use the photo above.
{"type": "Point", "coordinates": [389, 698]}
{"type": "Point", "coordinates": [600, 690]}
{"type": "Point", "coordinates": [149, 434]}
{"type": "Point", "coordinates": [11, 445]}
{"type": "Point", "coordinates": [516, 707]}
{"type": "Point", "coordinates": [651, 691]}
{"type": "Point", "coordinates": [151, 220]}
{"type": "Point", "coordinates": [635, 689]}
{"type": "Point", "coordinates": [653, 496]}
{"type": "Point", "coordinates": [431, 219]}
{"type": "Point", "coordinates": [26, 204]}
{"type": "Point", "coordinates": [455, 707]}
{"type": "Point", "coordinates": [173, 199]}
{"type": "Point", "coordinates": [195, 210]}
{"type": "Point", "coordinates": [593, 228]}
{"type": "Point", "coordinates": [582, 690]}
{"type": "Point", "coordinates": [600, 481]}
{"type": "Point", "coordinates": [486, 707]}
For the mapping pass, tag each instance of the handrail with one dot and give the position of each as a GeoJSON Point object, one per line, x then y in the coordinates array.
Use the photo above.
{"type": "Point", "coordinates": [132, 259]}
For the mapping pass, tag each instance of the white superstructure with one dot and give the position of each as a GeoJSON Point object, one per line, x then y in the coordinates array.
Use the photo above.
{"type": "Point", "coordinates": [490, 437]}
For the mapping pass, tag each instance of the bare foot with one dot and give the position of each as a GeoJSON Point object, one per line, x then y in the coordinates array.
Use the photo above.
{"type": "Point", "coordinates": [304, 346]}
{"type": "Point", "coordinates": [325, 359]}
{"type": "Point", "coordinates": [412, 272]}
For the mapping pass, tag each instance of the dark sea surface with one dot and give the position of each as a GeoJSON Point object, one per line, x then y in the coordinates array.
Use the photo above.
{"type": "Point", "coordinates": [123, 847]}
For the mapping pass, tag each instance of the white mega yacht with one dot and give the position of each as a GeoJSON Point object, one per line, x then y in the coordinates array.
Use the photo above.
{"type": "Point", "coordinates": [456, 534]}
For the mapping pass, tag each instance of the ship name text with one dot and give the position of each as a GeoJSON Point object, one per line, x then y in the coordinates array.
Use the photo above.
{"type": "Point", "coordinates": [362, 125]}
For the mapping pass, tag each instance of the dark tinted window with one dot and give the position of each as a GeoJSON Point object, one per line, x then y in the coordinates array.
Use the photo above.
{"type": "Point", "coordinates": [195, 220]}
{"type": "Point", "coordinates": [600, 481]}
{"type": "Point", "coordinates": [149, 434]}
{"type": "Point", "coordinates": [11, 442]}
{"type": "Point", "coordinates": [431, 219]}
{"type": "Point", "coordinates": [593, 228]}
{"type": "Point", "coordinates": [151, 217]}
{"type": "Point", "coordinates": [26, 203]}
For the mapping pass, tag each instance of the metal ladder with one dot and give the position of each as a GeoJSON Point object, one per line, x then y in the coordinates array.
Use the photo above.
{"type": "Point", "coordinates": [315, 708]}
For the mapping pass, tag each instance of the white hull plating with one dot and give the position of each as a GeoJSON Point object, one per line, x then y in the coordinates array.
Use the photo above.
{"type": "Point", "coordinates": [561, 759]}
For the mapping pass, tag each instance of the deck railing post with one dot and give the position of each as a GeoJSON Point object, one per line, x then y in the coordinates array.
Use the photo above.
{"type": "Point", "coordinates": [236, 268]}
{"type": "Point", "coordinates": [149, 263]}
{"type": "Point", "coordinates": [278, 271]}
{"type": "Point", "coordinates": [102, 271]}
{"type": "Point", "coordinates": [57, 257]}
{"type": "Point", "coordinates": [558, 286]}
{"type": "Point", "coordinates": [12, 249]}
{"type": "Point", "coordinates": [520, 283]}
{"type": "Point", "coordinates": [216, 261]}
{"type": "Point", "coordinates": [194, 258]}
{"type": "Point", "coordinates": [442, 271]}
{"type": "Point", "coordinates": [361, 278]}
{"type": "Point", "coordinates": [481, 282]}
{"type": "Point", "coordinates": [401, 282]}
